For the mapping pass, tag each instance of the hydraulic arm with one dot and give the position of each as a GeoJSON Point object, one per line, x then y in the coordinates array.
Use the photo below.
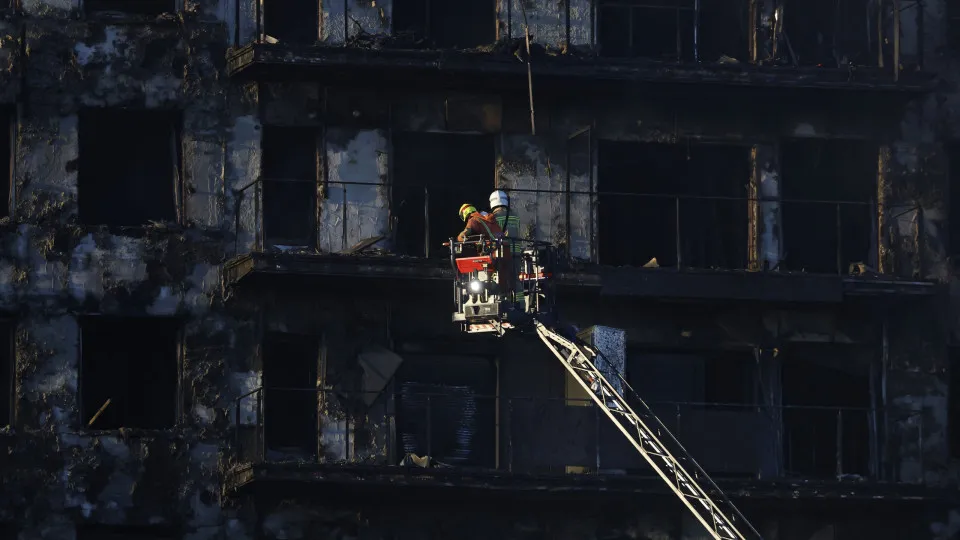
{"type": "Point", "coordinates": [485, 302]}
{"type": "Point", "coordinates": [649, 436]}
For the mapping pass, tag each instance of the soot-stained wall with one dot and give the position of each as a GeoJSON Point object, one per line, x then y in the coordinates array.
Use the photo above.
{"type": "Point", "coordinates": [52, 268]}
{"type": "Point", "coordinates": [56, 269]}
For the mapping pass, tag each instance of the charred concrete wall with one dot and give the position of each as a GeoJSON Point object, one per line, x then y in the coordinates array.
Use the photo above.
{"type": "Point", "coordinates": [58, 269]}
{"type": "Point", "coordinates": [55, 268]}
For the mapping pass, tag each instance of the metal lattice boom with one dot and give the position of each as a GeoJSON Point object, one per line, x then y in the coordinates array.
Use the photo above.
{"type": "Point", "coordinates": [654, 442]}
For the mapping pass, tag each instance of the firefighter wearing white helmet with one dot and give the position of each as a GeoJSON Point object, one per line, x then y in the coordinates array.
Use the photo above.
{"type": "Point", "coordinates": [509, 224]}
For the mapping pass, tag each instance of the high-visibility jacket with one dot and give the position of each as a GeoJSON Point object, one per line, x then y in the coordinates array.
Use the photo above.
{"type": "Point", "coordinates": [510, 225]}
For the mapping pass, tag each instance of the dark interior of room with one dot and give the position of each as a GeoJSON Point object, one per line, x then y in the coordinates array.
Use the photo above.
{"type": "Point", "coordinates": [136, 7]}
{"type": "Point", "coordinates": [290, 399]}
{"type": "Point", "coordinates": [829, 33]}
{"type": "Point", "coordinates": [718, 377]}
{"type": "Point", "coordinates": [134, 363]}
{"type": "Point", "coordinates": [291, 21]}
{"type": "Point", "coordinates": [704, 398]}
{"type": "Point", "coordinates": [456, 25]}
{"type": "Point", "coordinates": [433, 174]}
{"type": "Point", "coordinates": [826, 391]}
{"type": "Point", "coordinates": [654, 29]}
{"type": "Point", "coordinates": [289, 173]}
{"type": "Point", "coordinates": [822, 236]}
{"type": "Point", "coordinates": [128, 168]}
{"type": "Point", "coordinates": [635, 229]}
{"type": "Point", "coordinates": [723, 30]}
{"type": "Point", "coordinates": [445, 408]}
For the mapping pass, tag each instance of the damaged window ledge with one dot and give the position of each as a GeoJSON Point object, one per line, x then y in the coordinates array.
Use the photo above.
{"type": "Point", "coordinates": [173, 434]}
{"type": "Point", "coordinates": [137, 231]}
{"type": "Point", "coordinates": [244, 474]}
{"type": "Point", "coordinates": [274, 56]}
{"type": "Point", "coordinates": [119, 18]}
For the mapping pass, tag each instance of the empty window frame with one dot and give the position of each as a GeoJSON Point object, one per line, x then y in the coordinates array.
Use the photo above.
{"type": "Point", "coordinates": [129, 372]}
{"type": "Point", "coordinates": [704, 398]}
{"type": "Point", "coordinates": [433, 174]}
{"type": "Point", "coordinates": [826, 418]}
{"type": "Point", "coordinates": [294, 22]}
{"type": "Point", "coordinates": [290, 365]}
{"type": "Point", "coordinates": [829, 33]}
{"type": "Point", "coordinates": [717, 377]}
{"type": "Point", "coordinates": [446, 409]}
{"type": "Point", "coordinates": [679, 30]}
{"type": "Point", "coordinates": [8, 126]}
{"type": "Point", "coordinates": [133, 7]}
{"type": "Point", "coordinates": [447, 25]}
{"type": "Point", "coordinates": [683, 204]}
{"type": "Point", "coordinates": [289, 170]}
{"type": "Point", "coordinates": [828, 187]}
{"type": "Point", "coordinates": [129, 167]}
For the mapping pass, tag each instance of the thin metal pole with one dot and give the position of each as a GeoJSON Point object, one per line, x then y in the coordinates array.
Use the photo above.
{"type": "Point", "coordinates": [261, 443]}
{"type": "Point", "coordinates": [429, 428]}
{"type": "Point", "coordinates": [510, 435]}
{"type": "Point", "coordinates": [839, 443]}
{"type": "Point", "coordinates": [526, 34]}
{"type": "Point", "coordinates": [426, 222]}
{"type": "Point", "coordinates": [676, 205]}
{"type": "Point", "coordinates": [839, 243]}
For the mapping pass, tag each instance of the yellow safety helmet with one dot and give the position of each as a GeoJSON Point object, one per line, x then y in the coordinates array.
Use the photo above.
{"type": "Point", "coordinates": [466, 211]}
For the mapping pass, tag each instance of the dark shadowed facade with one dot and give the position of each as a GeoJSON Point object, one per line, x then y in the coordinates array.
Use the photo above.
{"type": "Point", "coordinates": [226, 307]}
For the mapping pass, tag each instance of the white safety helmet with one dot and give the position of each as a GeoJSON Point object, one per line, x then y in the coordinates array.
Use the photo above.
{"type": "Point", "coordinates": [499, 198]}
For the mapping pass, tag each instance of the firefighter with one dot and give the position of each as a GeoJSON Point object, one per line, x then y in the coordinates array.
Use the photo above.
{"type": "Point", "coordinates": [486, 227]}
{"type": "Point", "coordinates": [510, 225]}
{"type": "Point", "coordinates": [476, 224]}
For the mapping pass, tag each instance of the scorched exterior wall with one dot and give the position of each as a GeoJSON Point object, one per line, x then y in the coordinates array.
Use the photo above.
{"type": "Point", "coordinates": [52, 62]}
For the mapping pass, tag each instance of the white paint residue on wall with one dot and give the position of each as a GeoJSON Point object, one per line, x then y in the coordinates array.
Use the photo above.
{"type": "Point", "coordinates": [547, 21]}
{"type": "Point", "coordinates": [242, 383]}
{"type": "Point", "coordinates": [364, 207]}
{"type": "Point", "coordinates": [101, 51]}
{"type": "Point", "coordinates": [770, 215]}
{"type": "Point", "coordinates": [369, 17]}
{"type": "Point", "coordinates": [581, 24]}
{"type": "Point", "coordinates": [243, 160]}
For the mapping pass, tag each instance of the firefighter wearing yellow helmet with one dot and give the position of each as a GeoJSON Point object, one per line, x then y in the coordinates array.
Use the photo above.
{"type": "Point", "coordinates": [476, 224]}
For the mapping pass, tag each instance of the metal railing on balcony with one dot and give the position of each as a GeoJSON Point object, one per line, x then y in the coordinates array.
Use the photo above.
{"type": "Point", "coordinates": [681, 231]}
{"type": "Point", "coordinates": [456, 427]}
{"type": "Point", "coordinates": [818, 33]}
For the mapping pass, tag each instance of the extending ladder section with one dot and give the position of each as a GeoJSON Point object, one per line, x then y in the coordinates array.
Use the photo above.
{"type": "Point", "coordinates": [649, 436]}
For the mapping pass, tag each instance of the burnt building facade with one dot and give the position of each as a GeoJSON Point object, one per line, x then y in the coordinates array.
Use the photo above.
{"type": "Point", "coordinates": [248, 344]}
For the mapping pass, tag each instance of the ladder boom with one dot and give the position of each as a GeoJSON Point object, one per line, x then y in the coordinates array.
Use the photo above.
{"type": "Point", "coordinates": [654, 442]}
